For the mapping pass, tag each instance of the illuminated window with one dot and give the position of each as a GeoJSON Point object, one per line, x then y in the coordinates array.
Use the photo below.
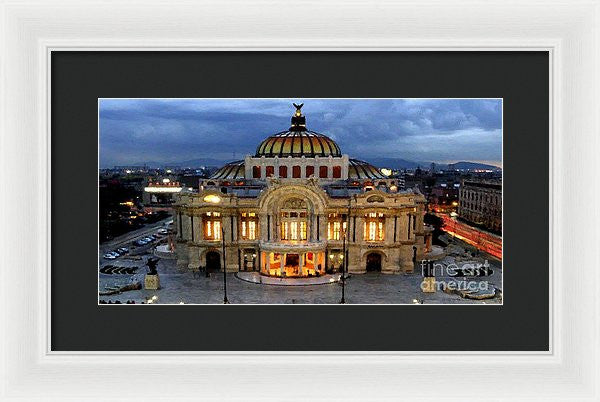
{"type": "Point", "coordinates": [336, 226]}
{"type": "Point", "coordinates": [249, 222]}
{"type": "Point", "coordinates": [212, 226]}
{"type": "Point", "coordinates": [374, 226]}
{"type": "Point", "coordinates": [294, 225]}
{"type": "Point", "coordinates": [372, 232]}
{"type": "Point", "coordinates": [251, 230]}
{"type": "Point", "coordinates": [294, 230]}
{"type": "Point", "coordinates": [284, 231]}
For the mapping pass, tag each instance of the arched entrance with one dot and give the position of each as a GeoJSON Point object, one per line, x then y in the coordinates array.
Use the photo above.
{"type": "Point", "coordinates": [213, 261]}
{"type": "Point", "coordinates": [373, 262]}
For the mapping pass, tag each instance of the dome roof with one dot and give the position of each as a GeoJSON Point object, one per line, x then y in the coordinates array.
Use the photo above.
{"type": "Point", "coordinates": [358, 169]}
{"type": "Point", "coordinates": [298, 141]}
{"type": "Point", "coordinates": [231, 171]}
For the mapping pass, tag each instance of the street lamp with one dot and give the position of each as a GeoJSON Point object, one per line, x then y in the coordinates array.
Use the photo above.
{"type": "Point", "coordinates": [225, 301]}
{"type": "Point", "coordinates": [344, 257]}
{"type": "Point", "coordinates": [343, 301]}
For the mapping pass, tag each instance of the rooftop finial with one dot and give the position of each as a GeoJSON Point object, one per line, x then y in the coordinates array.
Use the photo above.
{"type": "Point", "coordinates": [298, 120]}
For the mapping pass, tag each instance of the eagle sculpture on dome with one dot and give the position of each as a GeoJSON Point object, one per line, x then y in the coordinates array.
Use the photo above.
{"type": "Point", "coordinates": [298, 107]}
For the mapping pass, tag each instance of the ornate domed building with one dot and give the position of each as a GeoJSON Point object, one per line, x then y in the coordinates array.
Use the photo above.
{"type": "Point", "coordinates": [292, 208]}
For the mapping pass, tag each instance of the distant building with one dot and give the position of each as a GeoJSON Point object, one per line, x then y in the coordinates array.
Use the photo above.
{"type": "Point", "coordinates": [159, 194]}
{"type": "Point", "coordinates": [444, 197]}
{"type": "Point", "coordinates": [480, 202]}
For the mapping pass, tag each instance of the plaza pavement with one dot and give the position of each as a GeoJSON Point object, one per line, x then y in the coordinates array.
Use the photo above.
{"type": "Point", "coordinates": [370, 288]}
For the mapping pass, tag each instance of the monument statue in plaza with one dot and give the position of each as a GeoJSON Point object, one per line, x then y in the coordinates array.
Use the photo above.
{"type": "Point", "coordinates": [152, 281]}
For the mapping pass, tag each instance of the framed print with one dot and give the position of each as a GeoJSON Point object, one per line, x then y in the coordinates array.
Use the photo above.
{"type": "Point", "coordinates": [206, 201]}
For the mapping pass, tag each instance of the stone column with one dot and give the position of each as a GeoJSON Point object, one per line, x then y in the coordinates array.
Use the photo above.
{"type": "Point", "coordinates": [281, 263]}
{"type": "Point", "coordinates": [200, 231]}
{"type": "Point", "coordinates": [235, 227]}
{"type": "Point", "coordinates": [226, 226]}
{"type": "Point", "coordinates": [360, 228]}
{"type": "Point", "coordinates": [389, 229]}
{"type": "Point", "coordinates": [301, 265]}
{"type": "Point", "coordinates": [267, 257]}
{"type": "Point", "coordinates": [322, 227]}
{"type": "Point", "coordinates": [193, 258]}
{"type": "Point", "coordinates": [263, 230]}
{"type": "Point", "coordinates": [185, 226]}
{"type": "Point", "coordinates": [403, 227]}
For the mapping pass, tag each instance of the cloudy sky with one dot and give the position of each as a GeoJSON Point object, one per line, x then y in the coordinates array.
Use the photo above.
{"type": "Point", "coordinates": [134, 131]}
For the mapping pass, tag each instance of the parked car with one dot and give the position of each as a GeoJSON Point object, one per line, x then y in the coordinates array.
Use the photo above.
{"type": "Point", "coordinates": [162, 231]}
{"type": "Point", "coordinates": [109, 256]}
{"type": "Point", "coordinates": [123, 250]}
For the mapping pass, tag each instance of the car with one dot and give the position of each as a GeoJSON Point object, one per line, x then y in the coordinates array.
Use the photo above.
{"type": "Point", "coordinates": [115, 253]}
{"type": "Point", "coordinates": [148, 239]}
{"type": "Point", "coordinates": [123, 250]}
{"type": "Point", "coordinates": [162, 231]}
{"type": "Point", "coordinates": [109, 256]}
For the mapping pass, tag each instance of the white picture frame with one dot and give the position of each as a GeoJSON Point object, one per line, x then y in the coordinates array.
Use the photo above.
{"type": "Point", "coordinates": [569, 31]}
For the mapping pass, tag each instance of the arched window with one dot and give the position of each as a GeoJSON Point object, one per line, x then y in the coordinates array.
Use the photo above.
{"type": "Point", "coordinates": [294, 220]}
{"type": "Point", "coordinates": [296, 172]}
{"type": "Point", "coordinates": [256, 172]}
{"type": "Point", "coordinates": [310, 170]}
{"type": "Point", "coordinates": [283, 171]}
{"type": "Point", "coordinates": [270, 171]}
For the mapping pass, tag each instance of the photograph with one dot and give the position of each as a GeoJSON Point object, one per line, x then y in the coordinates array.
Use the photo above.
{"type": "Point", "coordinates": [300, 201]}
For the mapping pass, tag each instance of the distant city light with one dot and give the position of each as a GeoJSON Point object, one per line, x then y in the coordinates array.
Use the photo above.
{"type": "Point", "coordinates": [386, 172]}
{"type": "Point", "coordinates": [162, 189]}
{"type": "Point", "coordinates": [166, 181]}
{"type": "Point", "coordinates": [169, 171]}
{"type": "Point", "coordinates": [213, 199]}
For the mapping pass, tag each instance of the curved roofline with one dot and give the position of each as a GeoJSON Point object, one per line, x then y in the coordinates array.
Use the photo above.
{"type": "Point", "coordinates": [276, 144]}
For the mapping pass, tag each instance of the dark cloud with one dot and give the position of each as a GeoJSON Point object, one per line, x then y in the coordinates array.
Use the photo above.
{"type": "Point", "coordinates": [440, 130]}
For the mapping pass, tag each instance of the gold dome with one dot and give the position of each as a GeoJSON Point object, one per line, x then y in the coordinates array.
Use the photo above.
{"type": "Point", "coordinates": [298, 141]}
